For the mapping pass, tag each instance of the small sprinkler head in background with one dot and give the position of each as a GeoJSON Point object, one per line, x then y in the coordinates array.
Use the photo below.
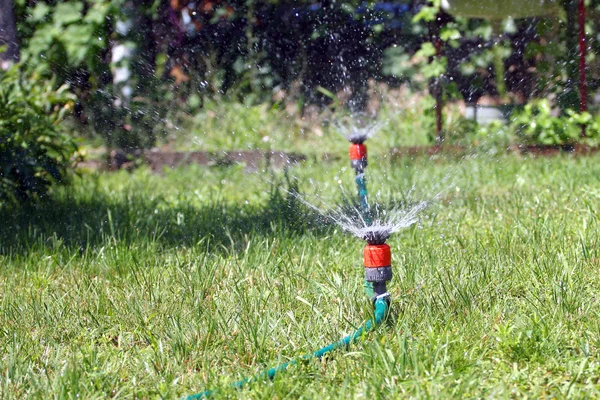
{"type": "Point", "coordinates": [378, 267]}
{"type": "Point", "coordinates": [357, 131]}
{"type": "Point", "coordinates": [358, 156]}
{"type": "Point", "coordinates": [357, 138]}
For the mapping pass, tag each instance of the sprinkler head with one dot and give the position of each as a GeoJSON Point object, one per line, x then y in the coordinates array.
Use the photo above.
{"type": "Point", "coordinates": [358, 156]}
{"type": "Point", "coordinates": [376, 235]}
{"type": "Point", "coordinates": [357, 139]}
{"type": "Point", "coordinates": [378, 266]}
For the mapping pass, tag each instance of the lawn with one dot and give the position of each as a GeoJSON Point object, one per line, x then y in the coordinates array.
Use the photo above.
{"type": "Point", "coordinates": [141, 285]}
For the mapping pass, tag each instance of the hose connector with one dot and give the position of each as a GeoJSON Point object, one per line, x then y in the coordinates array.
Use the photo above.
{"type": "Point", "coordinates": [358, 156]}
{"type": "Point", "coordinates": [378, 267]}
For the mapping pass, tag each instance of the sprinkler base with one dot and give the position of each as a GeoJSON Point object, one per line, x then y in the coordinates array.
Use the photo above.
{"type": "Point", "coordinates": [381, 274]}
{"type": "Point", "coordinates": [359, 165]}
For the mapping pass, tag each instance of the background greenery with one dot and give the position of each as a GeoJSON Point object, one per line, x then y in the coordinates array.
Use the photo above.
{"type": "Point", "coordinates": [188, 61]}
{"type": "Point", "coordinates": [34, 150]}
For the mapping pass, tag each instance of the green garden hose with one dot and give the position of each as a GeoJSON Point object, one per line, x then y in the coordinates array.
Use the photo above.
{"type": "Point", "coordinates": [381, 309]}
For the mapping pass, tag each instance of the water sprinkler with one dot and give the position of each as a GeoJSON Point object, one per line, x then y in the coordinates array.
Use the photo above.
{"type": "Point", "coordinates": [358, 156]}
{"type": "Point", "coordinates": [357, 132]}
{"type": "Point", "coordinates": [377, 258]}
{"type": "Point", "coordinates": [378, 267]}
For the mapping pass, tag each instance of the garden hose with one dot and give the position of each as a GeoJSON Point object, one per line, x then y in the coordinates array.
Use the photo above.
{"type": "Point", "coordinates": [381, 309]}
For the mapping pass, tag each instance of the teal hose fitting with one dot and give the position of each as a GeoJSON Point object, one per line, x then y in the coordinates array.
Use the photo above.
{"type": "Point", "coordinates": [381, 309]}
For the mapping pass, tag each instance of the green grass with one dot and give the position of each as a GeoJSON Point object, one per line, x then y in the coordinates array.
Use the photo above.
{"type": "Point", "coordinates": [135, 285]}
{"type": "Point", "coordinates": [229, 125]}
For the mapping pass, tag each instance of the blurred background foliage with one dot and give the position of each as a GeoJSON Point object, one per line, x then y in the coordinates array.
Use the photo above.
{"type": "Point", "coordinates": [34, 150]}
{"type": "Point", "coordinates": [141, 71]}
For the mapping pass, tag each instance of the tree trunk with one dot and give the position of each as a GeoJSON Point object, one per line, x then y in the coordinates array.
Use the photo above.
{"type": "Point", "coordinates": [8, 34]}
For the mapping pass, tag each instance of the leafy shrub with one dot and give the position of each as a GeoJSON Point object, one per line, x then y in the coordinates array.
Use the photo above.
{"type": "Point", "coordinates": [591, 123]}
{"type": "Point", "coordinates": [535, 124]}
{"type": "Point", "coordinates": [34, 152]}
{"type": "Point", "coordinates": [75, 42]}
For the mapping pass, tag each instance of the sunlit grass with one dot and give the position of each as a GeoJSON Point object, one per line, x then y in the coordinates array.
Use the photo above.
{"type": "Point", "coordinates": [141, 285]}
{"type": "Point", "coordinates": [403, 121]}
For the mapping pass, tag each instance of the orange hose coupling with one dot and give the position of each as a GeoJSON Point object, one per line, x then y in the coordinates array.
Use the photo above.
{"type": "Point", "coordinates": [377, 256]}
{"type": "Point", "coordinates": [358, 151]}
{"type": "Point", "coordinates": [358, 157]}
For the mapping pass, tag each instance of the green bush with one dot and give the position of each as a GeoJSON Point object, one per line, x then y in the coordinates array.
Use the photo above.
{"type": "Point", "coordinates": [535, 124]}
{"type": "Point", "coordinates": [34, 152]}
{"type": "Point", "coordinates": [592, 124]}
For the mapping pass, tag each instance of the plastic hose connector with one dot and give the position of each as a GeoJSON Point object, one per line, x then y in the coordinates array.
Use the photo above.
{"type": "Point", "coordinates": [377, 256]}
{"type": "Point", "coordinates": [358, 156]}
{"type": "Point", "coordinates": [378, 266]}
{"type": "Point", "coordinates": [383, 274]}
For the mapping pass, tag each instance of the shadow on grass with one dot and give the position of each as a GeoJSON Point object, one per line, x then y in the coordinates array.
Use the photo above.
{"type": "Point", "coordinates": [99, 220]}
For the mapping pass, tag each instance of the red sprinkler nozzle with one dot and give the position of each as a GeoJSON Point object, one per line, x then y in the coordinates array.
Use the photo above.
{"type": "Point", "coordinates": [358, 151]}
{"type": "Point", "coordinates": [377, 255]}
{"type": "Point", "coordinates": [358, 156]}
{"type": "Point", "coordinates": [378, 266]}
